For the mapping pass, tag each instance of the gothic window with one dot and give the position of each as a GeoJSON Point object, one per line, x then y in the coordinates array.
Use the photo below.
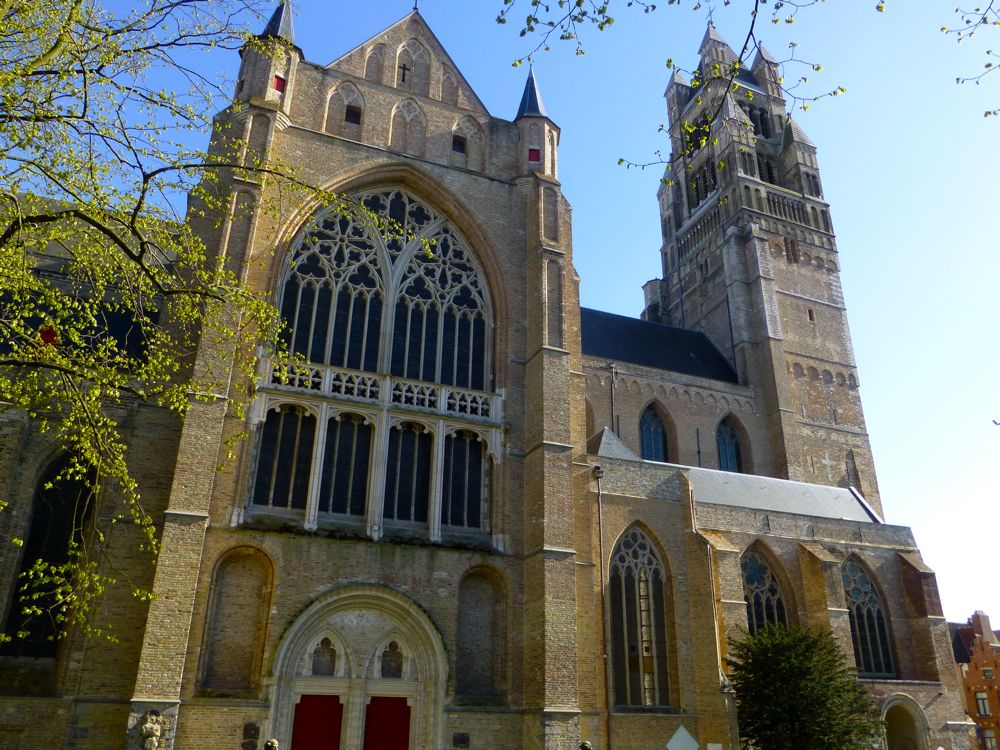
{"type": "Point", "coordinates": [869, 626]}
{"type": "Point", "coordinates": [481, 638]}
{"type": "Point", "coordinates": [765, 603]}
{"type": "Point", "coordinates": [408, 130]}
{"type": "Point", "coordinates": [58, 512]}
{"type": "Point", "coordinates": [449, 87]}
{"type": "Point", "coordinates": [466, 481]}
{"type": "Point", "coordinates": [413, 66]}
{"type": "Point", "coordinates": [344, 112]}
{"type": "Point", "coordinates": [638, 623]}
{"type": "Point", "coordinates": [386, 325]}
{"type": "Point", "coordinates": [730, 451]}
{"type": "Point", "coordinates": [346, 459]}
{"type": "Point", "coordinates": [407, 481]}
{"type": "Point", "coordinates": [652, 436]}
{"type": "Point", "coordinates": [239, 601]}
{"type": "Point", "coordinates": [470, 134]}
{"type": "Point", "coordinates": [392, 661]}
{"type": "Point", "coordinates": [284, 457]}
{"type": "Point", "coordinates": [374, 62]}
{"type": "Point", "coordinates": [324, 658]}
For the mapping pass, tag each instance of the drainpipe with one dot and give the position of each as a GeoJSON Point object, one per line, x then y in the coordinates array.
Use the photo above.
{"type": "Point", "coordinates": [598, 474]}
{"type": "Point", "coordinates": [614, 377]}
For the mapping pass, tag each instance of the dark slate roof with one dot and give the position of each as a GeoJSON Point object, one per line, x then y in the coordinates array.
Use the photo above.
{"type": "Point", "coordinates": [280, 25]}
{"type": "Point", "coordinates": [622, 339]}
{"type": "Point", "coordinates": [531, 100]}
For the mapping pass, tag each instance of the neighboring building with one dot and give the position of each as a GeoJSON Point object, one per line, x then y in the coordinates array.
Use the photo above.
{"type": "Point", "coordinates": [484, 517]}
{"type": "Point", "coordinates": [977, 651]}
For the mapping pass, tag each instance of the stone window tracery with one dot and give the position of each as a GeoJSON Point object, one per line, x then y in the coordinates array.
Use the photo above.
{"type": "Point", "coordinates": [388, 419]}
{"type": "Point", "coordinates": [652, 436]}
{"type": "Point", "coordinates": [392, 661]}
{"type": "Point", "coordinates": [728, 444]}
{"type": "Point", "coordinates": [869, 625]}
{"type": "Point", "coordinates": [638, 623]}
{"type": "Point", "coordinates": [765, 602]}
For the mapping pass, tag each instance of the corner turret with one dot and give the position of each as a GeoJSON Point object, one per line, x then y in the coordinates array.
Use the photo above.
{"type": "Point", "coordinates": [269, 61]}
{"type": "Point", "coordinates": [539, 135]}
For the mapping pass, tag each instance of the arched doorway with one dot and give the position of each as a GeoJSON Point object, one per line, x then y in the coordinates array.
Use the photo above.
{"type": "Point", "coordinates": [362, 667]}
{"type": "Point", "coordinates": [904, 725]}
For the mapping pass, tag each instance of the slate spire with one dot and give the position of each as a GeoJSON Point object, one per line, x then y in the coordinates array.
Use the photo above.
{"type": "Point", "coordinates": [280, 24]}
{"type": "Point", "coordinates": [531, 100]}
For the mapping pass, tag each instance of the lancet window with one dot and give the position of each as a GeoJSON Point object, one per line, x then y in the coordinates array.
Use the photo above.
{"type": "Point", "coordinates": [869, 626]}
{"type": "Point", "coordinates": [765, 603]}
{"type": "Point", "coordinates": [652, 436]}
{"type": "Point", "coordinates": [637, 606]}
{"type": "Point", "coordinates": [389, 418]}
{"type": "Point", "coordinates": [728, 444]}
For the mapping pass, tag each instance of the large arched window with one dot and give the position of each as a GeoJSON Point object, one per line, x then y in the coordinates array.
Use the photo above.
{"type": "Point", "coordinates": [393, 421]}
{"type": "Point", "coordinates": [637, 605]}
{"type": "Point", "coordinates": [869, 624]}
{"type": "Point", "coordinates": [58, 513]}
{"type": "Point", "coordinates": [652, 436]}
{"type": "Point", "coordinates": [730, 451]}
{"type": "Point", "coordinates": [765, 603]}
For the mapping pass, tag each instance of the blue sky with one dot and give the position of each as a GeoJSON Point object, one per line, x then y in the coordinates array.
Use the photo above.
{"type": "Point", "coordinates": [909, 166]}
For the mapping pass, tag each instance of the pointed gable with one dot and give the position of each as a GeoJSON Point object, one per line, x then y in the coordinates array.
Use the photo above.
{"type": "Point", "coordinates": [407, 42]}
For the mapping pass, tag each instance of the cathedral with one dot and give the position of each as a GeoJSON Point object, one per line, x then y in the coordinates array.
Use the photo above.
{"type": "Point", "coordinates": [480, 516]}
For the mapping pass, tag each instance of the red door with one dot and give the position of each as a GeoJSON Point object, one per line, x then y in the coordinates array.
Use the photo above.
{"type": "Point", "coordinates": [317, 723]}
{"type": "Point", "coordinates": [387, 724]}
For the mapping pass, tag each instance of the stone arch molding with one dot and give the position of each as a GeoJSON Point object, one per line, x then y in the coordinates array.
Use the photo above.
{"type": "Point", "coordinates": [916, 715]}
{"type": "Point", "coordinates": [360, 621]}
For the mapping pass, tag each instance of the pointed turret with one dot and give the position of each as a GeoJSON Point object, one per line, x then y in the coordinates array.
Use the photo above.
{"type": "Point", "coordinates": [795, 135]}
{"type": "Point", "coordinates": [731, 111]}
{"type": "Point", "coordinates": [714, 47]}
{"type": "Point", "coordinates": [531, 100]}
{"type": "Point", "coordinates": [539, 135]}
{"type": "Point", "coordinates": [766, 70]}
{"type": "Point", "coordinates": [280, 24]}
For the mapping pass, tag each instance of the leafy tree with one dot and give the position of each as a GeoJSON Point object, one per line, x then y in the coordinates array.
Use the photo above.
{"type": "Point", "coordinates": [795, 691]}
{"type": "Point", "coordinates": [107, 287]}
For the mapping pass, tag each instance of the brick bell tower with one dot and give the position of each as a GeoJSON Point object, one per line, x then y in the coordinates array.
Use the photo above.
{"type": "Point", "coordinates": [750, 258]}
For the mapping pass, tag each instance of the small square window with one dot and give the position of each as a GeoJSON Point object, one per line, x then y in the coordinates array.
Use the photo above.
{"type": "Point", "coordinates": [352, 115]}
{"type": "Point", "coordinates": [987, 673]}
{"type": "Point", "coordinates": [279, 84]}
{"type": "Point", "coordinates": [983, 704]}
{"type": "Point", "coordinates": [812, 315]}
{"type": "Point", "coordinates": [458, 144]}
{"type": "Point", "coordinates": [989, 739]}
{"type": "Point", "coordinates": [535, 155]}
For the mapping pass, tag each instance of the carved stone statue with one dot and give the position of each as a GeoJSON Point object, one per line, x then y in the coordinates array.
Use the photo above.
{"type": "Point", "coordinates": [271, 744]}
{"type": "Point", "coordinates": [151, 730]}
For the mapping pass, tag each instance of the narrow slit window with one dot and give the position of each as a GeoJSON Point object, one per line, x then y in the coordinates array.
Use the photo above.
{"type": "Point", "coordinates": [458, 144]}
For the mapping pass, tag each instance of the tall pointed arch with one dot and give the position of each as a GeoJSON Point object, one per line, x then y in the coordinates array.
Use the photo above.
{"type": "Point", "coordinates": [654, 441]}
{"type": "Point", "coordinates": [869, 621]}
{"type": "Point", "coordinates": [767, 602]}
{"type": "Point", "coordinates": [640, 620]}
{"type": "Point", "coordinates": [732, 445]}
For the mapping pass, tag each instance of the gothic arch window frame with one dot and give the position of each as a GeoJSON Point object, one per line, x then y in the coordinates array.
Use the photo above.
{"type": "Point", "coordinates": [376, 50]}
{"type": "Point", "coordinates": [664, 688]}
{"type": "Point", "coordinates": [48, 471]}
{"type": "Point", "coordinates": [500, 621]}
{"type": "Point", "coordinates": [657, 409]}
{"type": "Point", "coordinates": [439, 396]}
{"type": "Point", "coordinates": [349, 95]}
{"type": "Point", "coordinates": [859, 639]}
{"type": "Point", "coordinates": [470, 129]}
{"type": "Point", "coordinates": [779, 578]}
{"type": "Point", "coordinates": [743, 454]}
{"type": "Point", "coordinates": [211, 612]}
{"type": "Point", "coordinates": [375, 664]}
{"type": "Point", "coordinates": [417, 51]}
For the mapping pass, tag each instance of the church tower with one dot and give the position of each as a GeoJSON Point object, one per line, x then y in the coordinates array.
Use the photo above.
{"type": "Point", "coordinates": [750, 258]}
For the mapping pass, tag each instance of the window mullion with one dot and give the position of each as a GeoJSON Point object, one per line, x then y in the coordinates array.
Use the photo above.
{"type": "Point", "coordinates": [376, 488]}
{"type": "Point", "coordinates": [435, 500]}
{"type": "Point", "coordinates": [316, 469]}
